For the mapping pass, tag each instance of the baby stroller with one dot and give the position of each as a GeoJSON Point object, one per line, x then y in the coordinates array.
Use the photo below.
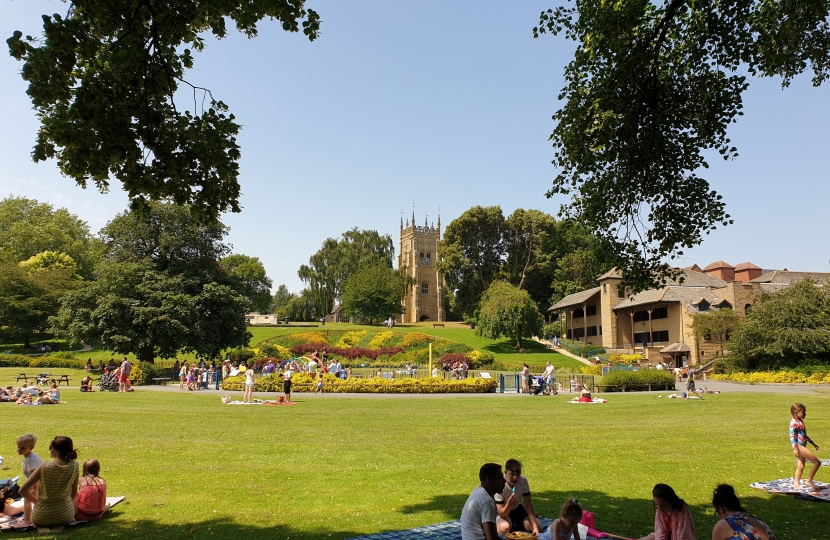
{"type": "Point", "coordinates": [109, 381]}
{"type": "Point", "coordinates": [537, 385]}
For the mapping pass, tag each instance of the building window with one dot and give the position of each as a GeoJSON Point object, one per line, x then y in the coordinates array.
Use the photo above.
{"type": "Point", "coordinates": [707, 337]}
{"type": "Point", "coordinates": [659, 336]}
{"type": "Point", "coordinates": [660, 313]}
{"type": "Point", "coordinates": [703, 306]}
{"type": "Point", "coordinates": [604, 289]}
{"type": "Point", "coordinates": [747, 308]}
{"type": "Point", "coordinates": [592, 310]}
{"type": "Point", "coordinates": [578, 333]}
{"type": "Point", "coordinates": [577, 314]}
{"type": "Point", "coordinates": [641, 316]}
{"type": "Point", "coordinates": [620, 292]}
{"type": "Point", "coordinates": [424, 288]}
{"type": "Point", "coordinates": [429, 255]}
{"type": "Point", "coordinates": [592, 331]}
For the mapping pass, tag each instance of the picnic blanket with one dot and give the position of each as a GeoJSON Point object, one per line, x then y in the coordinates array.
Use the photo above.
{"type": "Point", "coordinates": [786, 487]}
{"type": "Point", "coordinates": [450, 530]}
{"type": "Point", "coordinates": [270, 402]}
{"type": "Point", "coordinates": [595, 400]}
{"type": "Point", "coordinates": [9, 526]}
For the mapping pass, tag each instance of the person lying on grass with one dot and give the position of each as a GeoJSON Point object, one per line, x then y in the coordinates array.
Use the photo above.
{"type": "Point", "coordinates": [51, 396]}
{"type": "Point", "coordinates": [672, 518]}
{"type": "Point", "coordinates": [513, 515]}
{"type": "Point", "coordinates": [478, 517]}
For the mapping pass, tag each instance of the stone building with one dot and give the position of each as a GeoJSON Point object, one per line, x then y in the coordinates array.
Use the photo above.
{"type": "Point", "coordinates": [418, 254]}
{"type": "Point", "coordinates": [657, 322]}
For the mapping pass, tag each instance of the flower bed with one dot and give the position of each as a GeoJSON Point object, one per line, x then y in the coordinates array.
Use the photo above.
{"type": "Point", "coordinates": [784, 376]}
{"type": "Point", "coordinates": [302, 382]}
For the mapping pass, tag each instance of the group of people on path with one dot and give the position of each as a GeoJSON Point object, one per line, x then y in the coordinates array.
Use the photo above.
{"type": "Point", "coordinates": [55, 492]}
{"type": "Point", "coordinates": [502, 504]}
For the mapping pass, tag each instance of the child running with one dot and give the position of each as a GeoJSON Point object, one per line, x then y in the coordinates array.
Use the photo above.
{"type": "Point", "coordinates": [567, 524]}
{"type": "Point", "coordinates": [319, 384]}
{"type": "Point", "coordinates": [799, 440]}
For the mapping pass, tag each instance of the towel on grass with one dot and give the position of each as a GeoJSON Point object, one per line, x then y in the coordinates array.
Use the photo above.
{"type": "Point", "coordinates": [785, 486]}
{"type": "Point", "coordinates": [58, 528]}
{"type": "Point", "coordinates": [449, 530]}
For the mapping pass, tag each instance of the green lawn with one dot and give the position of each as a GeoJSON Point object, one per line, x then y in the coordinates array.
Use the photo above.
{"type": "Point", "coordinates": [340, 467]}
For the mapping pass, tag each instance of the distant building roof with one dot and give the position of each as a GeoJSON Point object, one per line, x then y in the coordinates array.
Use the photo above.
{"type": "Point", "coordinates": [717, 264]}
{"type": "Point", "coordinates": [691, 297]}
{"type": "Point", "coordinates": [575, 299]}
{"type": "Point", "coordinates": [788, 278]}
{"type": "Point", "coordinates": [746, 266]}
{"type": "Point", "coordinates": [676, 348]}
{"type": "Point", "coordinates": [613, 273]}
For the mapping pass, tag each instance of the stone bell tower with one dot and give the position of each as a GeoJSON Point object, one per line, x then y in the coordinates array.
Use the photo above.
{"type": "Point", "coordinates": [419, 253]}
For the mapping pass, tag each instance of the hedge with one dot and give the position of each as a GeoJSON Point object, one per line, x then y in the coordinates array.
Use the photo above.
{"type": "Point", "coordinates": [18, 360]}
{"type": "Point", "coordinates": [617, 381]}
{"type": "Point", "coordinates": [302, 382]}
{"type": "Point", "coordinates": [784, 376]}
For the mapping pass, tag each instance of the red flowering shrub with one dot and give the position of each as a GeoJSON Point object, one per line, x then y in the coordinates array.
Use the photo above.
{"type": "Point", "coordinates": [450, 359]}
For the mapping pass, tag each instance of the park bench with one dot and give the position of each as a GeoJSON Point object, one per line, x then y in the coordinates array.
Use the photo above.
{"type": "Point", "coordinates": [160, 381]}
{"type": "Point", "coordinates": [436, 325]}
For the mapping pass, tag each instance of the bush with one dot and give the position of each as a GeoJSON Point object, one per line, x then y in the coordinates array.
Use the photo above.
{"type": "Point", "coordinates": [591, 370]}
{"type": "Point", "coordinates": [138, 376]}
{"type": "Point", "coordinates": [308, 337]}
{"type": "Point", "coordinates": [550, 330]}
{"type": "Point", "coordinates": [583, 350]}
{"type": "Point", "coordinates": [276, 351]}
{"type": "Point", "coordinates": [50, 362]}
{"type": "Point", "coordinates": [638, 380]}
{"type": "Point", "coordinates": [14, 360]}
{"type": "Point", "coordinates": [351, 339]}
{"type": "Point", "coordinates": [625, 358]}
{"type": "Point", "coordinates": [382, 339]}
{"type": "Point", "coordinates": [450, 359]}
{"type": "Point", "coordinates": [784, 376]}
{"type": "Point", "coordinates": [414, 338]}
{"type": "Point", "coordinates": [242, 354]}
{"type": "Point", "coordinates": [302, 382]}
{"type": "Point", "coordinates": [479, 359]}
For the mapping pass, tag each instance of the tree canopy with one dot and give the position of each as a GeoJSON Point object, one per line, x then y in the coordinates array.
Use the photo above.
{"type": "Point", "coordinates": [248, 277]}
{"type": "Point", "coordinates": [29, 228]}
{"type": "Point", "coordinates": [651, 89]}
{"type": "Point", "coordinates": [338, 259]}
{"type": "Point", "coordinates": [159, 290]}
{"type": "Point", "coordinates": [785, 328]}
{"type": "Point", "coordinates": [717, 325]}
{"type": "Point", "coordinates": [510, 312]}
{"type": "Point", "coordinates": [103, 80]}
{"type": "Point", "coordinates": [374, 293]}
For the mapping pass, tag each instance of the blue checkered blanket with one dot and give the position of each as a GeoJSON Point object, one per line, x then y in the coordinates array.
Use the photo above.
{"type": "Point", "coordinates": [785, 486]}
{"type": "Point", "coordinates": [450, 530]}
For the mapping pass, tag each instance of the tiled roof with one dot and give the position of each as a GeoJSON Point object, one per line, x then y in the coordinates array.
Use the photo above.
{"type": "Point", "coordinates": [717, 264]}
{"type": "Point", "coordinates": [676, 347]}
{"type": "Point", "coordinates": [697, 279]}
{"type": "Point", "coordinates": [788, 278]}
{"type": "Point", "coordinates": [574, 299]}
{"type": "Point", "coordinates": [746, 266]}
{"type": "Point", "coordinates": [613, 273]}
{"type": "Point", "coordinates": [772, 287]}
{"type": "Point", "coordinates": [690, 297]}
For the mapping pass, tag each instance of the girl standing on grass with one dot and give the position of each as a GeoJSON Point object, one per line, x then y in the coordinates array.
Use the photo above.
{"type": "Point", "coordinates": [182, 375]}
{"type": "Point", "coordinates": [799, 440]}
{"type": "Point", "coordinates": [250, 378]}
{"type": "Point", "coordinates": [567, 524]}
{"type": "Point", "coordinates": [672, 518]}
{"type": "Point", "coordinates": [319, 384]}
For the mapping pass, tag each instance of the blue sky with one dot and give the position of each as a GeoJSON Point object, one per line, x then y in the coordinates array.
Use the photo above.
{"type": "Point", "coordinates": [443, 103]}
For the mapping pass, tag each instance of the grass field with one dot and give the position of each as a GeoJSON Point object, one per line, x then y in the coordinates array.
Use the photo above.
{"type": "Point", "coordinates": [340, 467]}
{"type": "Point", "coordinates": [537, 355]}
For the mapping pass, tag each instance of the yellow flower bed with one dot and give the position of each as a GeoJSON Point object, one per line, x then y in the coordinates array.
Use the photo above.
{"type": "Point", "coordinates": [381, 339]}
{"type": "Point", "coordinates": [624, 358]}
{"type": "Point", "coordinates": [350, 339]}
{"type": "Point", "coordinates": [413, 338]}
{"type": "Point", "coordinates": [591, 370]}
{"type": "Point", "coordinates": [302, 382]}
{"type": "Point", "coordinates": [317, 338]}
{"type": "Point", "coordinates": [784, 376]}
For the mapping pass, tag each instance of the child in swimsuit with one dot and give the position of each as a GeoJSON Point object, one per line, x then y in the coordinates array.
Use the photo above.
{"type": "Point", "coordinates": [799, 440]}
{"type": "Point", "coordinates": [567, 524]}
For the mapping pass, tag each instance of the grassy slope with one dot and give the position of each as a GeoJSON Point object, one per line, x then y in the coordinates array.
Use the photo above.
{"type": "Point", "coordinates": [342, 467]}
{"type": "Point", "coordinates": [537, 355]}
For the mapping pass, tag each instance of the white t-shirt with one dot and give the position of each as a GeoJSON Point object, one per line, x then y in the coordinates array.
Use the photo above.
{"type": "Point", "coordinates": [31, 463]}
{"type": "Point", "coordinates": [480, 508]}
{"type": "Point", "coordinates": [522, 489]}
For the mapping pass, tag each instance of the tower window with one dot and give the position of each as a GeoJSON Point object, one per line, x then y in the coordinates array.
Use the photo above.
{"type": "Point", "coordinates": [424, 288]}
{"type": "Point", "coordinates": [422, 254]}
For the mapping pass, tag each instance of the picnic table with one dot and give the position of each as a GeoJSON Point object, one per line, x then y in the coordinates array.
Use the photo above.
{"type": "Point", "coordinates": [63, 378]}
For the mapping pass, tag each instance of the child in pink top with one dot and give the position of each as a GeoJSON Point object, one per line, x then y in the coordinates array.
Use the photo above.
{"type": "Point", "coordinates": [91, 502]}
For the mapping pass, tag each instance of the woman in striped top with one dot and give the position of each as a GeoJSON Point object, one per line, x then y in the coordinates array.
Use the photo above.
{"type": "Point", "coordinates": [799, 440]}
{"type": "Point", "coordinates": [58, 485]}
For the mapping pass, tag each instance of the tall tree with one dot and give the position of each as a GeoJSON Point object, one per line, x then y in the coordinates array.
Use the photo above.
{"type": "Point", "coordinates": [104, 78]}
{"type": "Point", "coordinates": [28, 227]}
{"type": "Point", "coordinates": [159, 290]}
{"type": "Point", "coordinates": [248, 277]}
{"type": "Point", "coordinates": [374, 293]}
{"type": "Point", "coordinates": [653, 87]}
{"type": "Point", "coordinates": [717, 325]}
{"type": "Point", "coordinates": [31, 291]}
{"type": "Point", "coordinates": [785, 328]}
{"type": "Point", "coordinates": [471, 254]}
{"type": "Point", "coordinates": [530, 238]}
{"type": "Point", "coordinates": [280, 299]}
{"type": "Point", "coordinates": [510, 312]}
{"type": "Point", "coordinates": [340, 258]}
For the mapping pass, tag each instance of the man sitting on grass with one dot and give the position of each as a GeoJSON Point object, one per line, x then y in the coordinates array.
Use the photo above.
{"type": "Point", "coordinates": [478, 518]}
{"type": "Point", "coordinates": [513, 516]}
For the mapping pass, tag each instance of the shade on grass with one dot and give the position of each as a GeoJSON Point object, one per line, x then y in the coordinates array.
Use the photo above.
{"type": "Point", "coordinates": [338, 467]}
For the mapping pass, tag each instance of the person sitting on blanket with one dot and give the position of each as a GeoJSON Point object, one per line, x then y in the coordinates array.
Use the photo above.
{"type": "Point", "coordinates": [585, 394]}
{"type": "Point", "coordinates": [86, 384]}
{"type": "Point", "coordinates": [91, 501]}
{"type": "Point", "coordinates": [735, 522]}
{"type": "Point", "coordinates": [58, 480]}
{"type": "Point", "coordinates": [672, 518]}
{"type": "Point", "coordinates": [478, 517]}
{"type": "Point", "coordinates": [512, 515]}
{"type": "Point", "coordinates": [567, 524]}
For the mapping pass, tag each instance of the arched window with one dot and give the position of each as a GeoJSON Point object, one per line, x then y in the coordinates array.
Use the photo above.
{"type": "Point", "coordinates": [429, 255]}
{"type": "Point", "coordinates": [747, 308]}
{"type": "Point", "coordinates": [424, 288]}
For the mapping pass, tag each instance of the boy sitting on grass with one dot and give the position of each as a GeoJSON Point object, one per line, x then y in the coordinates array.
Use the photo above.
{"type": "Point", "coordinates": [513, 516]}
